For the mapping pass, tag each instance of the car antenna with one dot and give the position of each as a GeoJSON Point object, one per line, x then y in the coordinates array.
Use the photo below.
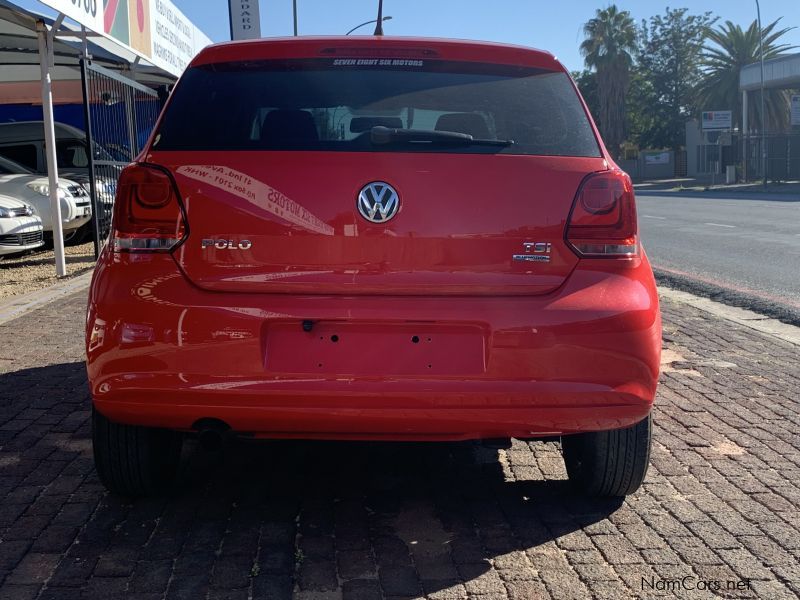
{"type": "Point", "coordinates": [379, 23]}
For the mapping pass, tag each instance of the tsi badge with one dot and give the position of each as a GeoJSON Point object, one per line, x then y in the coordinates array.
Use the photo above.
{"type": "Point", "coordinates": [226, 244]}
{"type": "Point", "coordinates": [534, 252]}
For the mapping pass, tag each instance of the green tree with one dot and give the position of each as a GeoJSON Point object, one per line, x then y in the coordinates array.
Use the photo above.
{"type": "Point", "coordinates": [587, 85]}
{"type": "Point", "coordinates": [728, 49]}
{"type": "Point", "coordinates": [670, 61]}
{"type": "Point", "coordinates": [639, 116]}
{"type": "Point", "coordinates": [608, 48]}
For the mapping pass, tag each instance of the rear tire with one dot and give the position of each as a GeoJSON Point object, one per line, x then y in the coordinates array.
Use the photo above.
{"type": "Point", "coordinates": [609, 463]}
{"type": "Point", "coordinates": [133, 460]}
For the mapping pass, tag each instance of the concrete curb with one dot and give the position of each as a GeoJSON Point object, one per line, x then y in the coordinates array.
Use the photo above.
{"type": "Point", "coordinates": [17, 306]}
{"type": "Point", "coordinates": [705, 187]}
{"type": "Point", "coordinates": [742, 316]}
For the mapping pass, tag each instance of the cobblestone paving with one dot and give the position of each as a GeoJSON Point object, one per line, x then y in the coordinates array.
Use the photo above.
{"type": "Point", "coordinates": [362, 521]}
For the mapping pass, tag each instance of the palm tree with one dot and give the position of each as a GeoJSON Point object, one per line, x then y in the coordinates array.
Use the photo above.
{"type": "Point", "coordinates": [608, 48]}
{"type": "Point", "coordinates": [728, 49]}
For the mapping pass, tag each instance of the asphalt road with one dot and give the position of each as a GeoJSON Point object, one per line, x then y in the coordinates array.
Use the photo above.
{"type": "Point", "coordinates": [749, 245]}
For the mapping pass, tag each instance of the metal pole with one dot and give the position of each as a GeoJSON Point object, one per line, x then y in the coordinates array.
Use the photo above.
{"type": "Point", "coordinates": [713, 173]}
{"type": "Point", "coordinates": [763, 113]}
{"type": "Point", "coordinates": [745, 135]}
{"type": "Point", "coordinates": [294, 11]}
{"type": "Point", "coordinates": [87, 117]}
{"type": "Point", "coordinates": [379, 20]}
{"type": "Point", "coordinates": [45, 61]}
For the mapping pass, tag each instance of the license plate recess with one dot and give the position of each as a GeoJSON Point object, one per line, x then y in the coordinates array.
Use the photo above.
{"type": "Point", "coordinates": [375, 349]}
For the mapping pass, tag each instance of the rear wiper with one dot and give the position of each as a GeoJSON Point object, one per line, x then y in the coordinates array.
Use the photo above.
{"type": "Point", "coordinates": [387, 135]}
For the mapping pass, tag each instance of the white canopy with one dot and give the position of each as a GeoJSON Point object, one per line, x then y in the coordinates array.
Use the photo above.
{"type": "Point", "coordinates": [782, 72]}
{"type": "Point", "coordinates": [19, 53]}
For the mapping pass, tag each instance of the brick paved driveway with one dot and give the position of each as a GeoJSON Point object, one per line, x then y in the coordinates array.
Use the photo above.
{"type": "Point", "coordinates": [360, 521]}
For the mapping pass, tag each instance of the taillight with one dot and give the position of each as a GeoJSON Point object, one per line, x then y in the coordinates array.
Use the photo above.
{"type": "Point", "coordinates": [147, 212]}
{"type": "Point", "coordinates": [603, 218]}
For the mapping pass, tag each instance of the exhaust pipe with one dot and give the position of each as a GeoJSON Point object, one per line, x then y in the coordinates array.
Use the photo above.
{"type": "Point", "coordinates": [211, 433]}
{"type": "Point", "coordinates": [210, 440]}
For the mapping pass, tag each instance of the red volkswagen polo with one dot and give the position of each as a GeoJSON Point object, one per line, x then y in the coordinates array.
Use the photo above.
{"type": "Point", "coordinates": [373, 239]}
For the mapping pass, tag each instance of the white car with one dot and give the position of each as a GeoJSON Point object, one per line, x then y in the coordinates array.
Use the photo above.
{"type": "Point", "coordinates": [21, 183]}
{"type": "Point", "coordinates": [20, 228]}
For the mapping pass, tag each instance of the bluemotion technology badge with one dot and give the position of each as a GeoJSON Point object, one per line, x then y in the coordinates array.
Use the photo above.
{"type": "Point", "coordinates": [534, 252]}
{"type": "Point", "coordinates": [378, 202]}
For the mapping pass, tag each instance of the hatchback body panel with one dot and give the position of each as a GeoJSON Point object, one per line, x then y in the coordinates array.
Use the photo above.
{"type": "Point", "coordinates": [282, 312]}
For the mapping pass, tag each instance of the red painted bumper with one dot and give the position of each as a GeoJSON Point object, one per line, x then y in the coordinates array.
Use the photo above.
{"type": "Point", "coordinates": [164, 353]}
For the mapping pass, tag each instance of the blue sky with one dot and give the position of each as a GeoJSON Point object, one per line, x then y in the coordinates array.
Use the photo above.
{"type": "Point", "coordinates": [551, 25]}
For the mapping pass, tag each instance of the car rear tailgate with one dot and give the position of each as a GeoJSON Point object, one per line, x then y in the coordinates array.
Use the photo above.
{"type": "Point", "coordinates": [288, 222]}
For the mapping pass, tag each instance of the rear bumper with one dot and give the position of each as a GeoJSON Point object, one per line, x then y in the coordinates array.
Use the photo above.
{"type": "Point", "coordinates": [162, 353]}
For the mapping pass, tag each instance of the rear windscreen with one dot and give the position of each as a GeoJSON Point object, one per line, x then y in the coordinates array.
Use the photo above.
{"type": "Point", "coordinates": [333, 105]}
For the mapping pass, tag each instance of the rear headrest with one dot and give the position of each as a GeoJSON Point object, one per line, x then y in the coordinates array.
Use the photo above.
{"type": "Point", "coordinates": [361, 124]}
{"type": "Point", "coordinates": [288, 127]}
{"type": "Point", "coordinates": [470, 123]}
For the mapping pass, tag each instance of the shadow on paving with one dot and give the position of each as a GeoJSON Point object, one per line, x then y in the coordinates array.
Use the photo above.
{"type": "Point", "coordinates": [262, 519]}
{"type": "Point", "coordinates": [44, 257]}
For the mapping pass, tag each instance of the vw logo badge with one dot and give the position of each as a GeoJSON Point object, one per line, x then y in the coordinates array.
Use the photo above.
{"type": "Point", "coordinates": [378, 202]}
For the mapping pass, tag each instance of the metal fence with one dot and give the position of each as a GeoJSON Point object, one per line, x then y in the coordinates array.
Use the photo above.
{"type": "Point", "coordinates": [782, 162]}
{"type": "Point", "coordinates": [783, 157]}
{"type": "Point", "coordinates": [119, 114]}
{"type": "Point", "coordinates": [713, 158]}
